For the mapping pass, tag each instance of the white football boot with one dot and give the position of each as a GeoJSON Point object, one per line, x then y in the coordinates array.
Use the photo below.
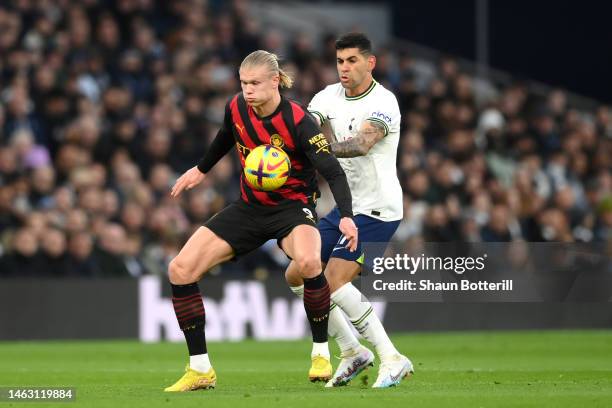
{"type": "Point", "coordinates": [351, 365]}
{"type": "Point", "coordinates": [391, 372]}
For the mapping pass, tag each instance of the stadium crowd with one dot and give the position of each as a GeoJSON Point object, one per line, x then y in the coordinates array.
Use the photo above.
{"type": "Point", "coordinates": [104, 103]}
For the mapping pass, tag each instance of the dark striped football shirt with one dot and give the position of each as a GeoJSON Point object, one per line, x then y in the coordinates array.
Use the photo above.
{"type": "Point", "coordinates": [291, 128]}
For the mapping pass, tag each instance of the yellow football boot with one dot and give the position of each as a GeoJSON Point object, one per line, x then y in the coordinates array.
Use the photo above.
{"type": "Point", "coordinates": [321, 369]}
{"type": "Point", "coordinates": [194, 380]}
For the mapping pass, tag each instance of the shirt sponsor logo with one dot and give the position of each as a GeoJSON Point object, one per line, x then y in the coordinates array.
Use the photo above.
{"type": "Point", "coordinates": [382, 116]}
{"type": "Point", "coordinates": [320, 143]}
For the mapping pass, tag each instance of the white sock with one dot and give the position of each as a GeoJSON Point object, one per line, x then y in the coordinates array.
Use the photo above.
{"type": "Point", "coordinates": [320, 349]}
{"type": "Point", "coordinates": [362, 315]}
{"type": "Point", "coordinates": [200, 362]}
{"type": "Point", "coordinates": [338, 327]}
{"type": "Point", "coordinates": [340, 330]}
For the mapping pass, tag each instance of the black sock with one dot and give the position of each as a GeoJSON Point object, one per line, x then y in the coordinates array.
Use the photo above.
{"type": "Point", "coordinates": [189, 309]}
{"type": "Point", "coordinates": [316, 303]}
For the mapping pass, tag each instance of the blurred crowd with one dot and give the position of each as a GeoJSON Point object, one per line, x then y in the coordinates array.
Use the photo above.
{"type": "Point", "coordinates": [104, 103]}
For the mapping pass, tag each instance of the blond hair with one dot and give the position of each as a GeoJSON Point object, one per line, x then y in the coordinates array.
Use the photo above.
{"type": "Point", "coordinates": [270, 60]}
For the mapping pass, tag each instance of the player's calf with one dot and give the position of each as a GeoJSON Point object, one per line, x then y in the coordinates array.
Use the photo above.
{"type": "Point", "coordinates": [339, 272]}
{"type": "Point", "coordinates": [316, 304]}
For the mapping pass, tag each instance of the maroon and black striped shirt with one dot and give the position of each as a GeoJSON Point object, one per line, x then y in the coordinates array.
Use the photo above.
{"type": "Point", "coordinates": [291, 128]}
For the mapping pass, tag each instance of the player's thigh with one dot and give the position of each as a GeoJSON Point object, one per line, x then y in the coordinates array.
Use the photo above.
{"type": "Point", "coordinates": [240, 226]}
{"type": "Point", "coordinates": [375, 236]}
{"type": "Point", "coordinates": [344, 266]}
{"type": "Point", "coordinates": [328, 229]}
{"type": "Point", "coordinates": [204, 250]}
{"type": "Point", "coordinates": [339, 272]}
{"type": "Point", "coordinates": [371, 231]}
{"type": "Point", "coordinates": [303, 245]}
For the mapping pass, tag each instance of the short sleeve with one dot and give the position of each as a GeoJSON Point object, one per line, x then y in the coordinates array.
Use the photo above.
{"type": "Point", "coordinates": [388, 115]}
{"type": "Point", "coordinates": [318, 107]}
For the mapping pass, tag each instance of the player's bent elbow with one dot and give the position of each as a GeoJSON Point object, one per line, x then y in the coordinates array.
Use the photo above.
{"type": "Point", "coordinates": [365, 148]}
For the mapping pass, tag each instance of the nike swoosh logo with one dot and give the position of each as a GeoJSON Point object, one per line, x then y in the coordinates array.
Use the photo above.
{"type": "Point", "coordinates": [337, 248]}
{"type": "Point", "coordinates": [272, 167]}
{"type": "Point", "coordinates": [396, 377]}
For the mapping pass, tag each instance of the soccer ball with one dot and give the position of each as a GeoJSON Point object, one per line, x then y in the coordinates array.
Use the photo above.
{"type": "Point", "coordinates": [266, 168]}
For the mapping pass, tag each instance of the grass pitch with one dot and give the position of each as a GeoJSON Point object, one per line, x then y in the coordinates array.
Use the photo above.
{"type": "Point", "coordinates": [493, 369]}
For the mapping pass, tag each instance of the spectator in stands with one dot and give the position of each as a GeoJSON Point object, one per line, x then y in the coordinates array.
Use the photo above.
{"type": "Point", "coordinates": [497, 229]}
{"type": "Point", "coordinates": [24, 259]}
{"type": "Point", "coordinates": [81, 261]}
{"type": "Point", "coordinates": [111, 251]}
{"type": "Point", "coordinates": [54, 256]}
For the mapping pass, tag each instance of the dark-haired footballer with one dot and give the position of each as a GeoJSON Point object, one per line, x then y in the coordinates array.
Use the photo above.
{"type": "Point", "coordinates": [364, 120]}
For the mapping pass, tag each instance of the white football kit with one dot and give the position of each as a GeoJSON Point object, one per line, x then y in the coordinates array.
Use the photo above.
{"type": "Point", "coordinates": [372, 178]}
{"type": "Point", "coordinates": [377, 194]}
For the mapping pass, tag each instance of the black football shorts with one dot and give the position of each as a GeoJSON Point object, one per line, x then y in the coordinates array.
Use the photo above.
{"type": "Point", "coordinates": [246, 227]}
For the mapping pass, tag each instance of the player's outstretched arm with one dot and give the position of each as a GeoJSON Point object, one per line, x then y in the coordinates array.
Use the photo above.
{"type": "Point", "coordinates": [329, 167]}
{"type": "Point", "coordinates": [369, 134]}
{"type": "Point", "coordinates": [316, 147]}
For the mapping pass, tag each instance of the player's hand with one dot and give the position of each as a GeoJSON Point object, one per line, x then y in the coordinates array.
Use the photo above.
{"type": "Point", "coordinates": [187, 181]}
{"type": "Point", "coordinates": [348, 228]}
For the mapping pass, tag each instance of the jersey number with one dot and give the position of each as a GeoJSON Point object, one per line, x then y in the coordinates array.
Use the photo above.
{"type": "Point", "coordinates": [309, 214]}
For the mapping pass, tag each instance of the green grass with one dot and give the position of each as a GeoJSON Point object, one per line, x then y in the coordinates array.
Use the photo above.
{"type": "Point", "coordinates": [526, 369]}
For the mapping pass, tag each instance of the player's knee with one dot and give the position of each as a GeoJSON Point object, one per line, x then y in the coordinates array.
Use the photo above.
{"type": "Point", "coordinates": [309, 266]}
{"type": "Point", "coordinates": [179, 274]}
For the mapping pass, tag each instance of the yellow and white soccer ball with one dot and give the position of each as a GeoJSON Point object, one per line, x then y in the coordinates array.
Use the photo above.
{"type": "Point", "coordinates": [267, 168]}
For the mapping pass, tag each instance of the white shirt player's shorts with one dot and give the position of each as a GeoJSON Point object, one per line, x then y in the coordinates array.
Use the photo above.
{"type": "Point", "coordinates": [333, 243]}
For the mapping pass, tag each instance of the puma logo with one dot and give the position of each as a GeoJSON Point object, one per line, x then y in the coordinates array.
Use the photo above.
{"type": "Point", "coordinates": [240, 128]}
